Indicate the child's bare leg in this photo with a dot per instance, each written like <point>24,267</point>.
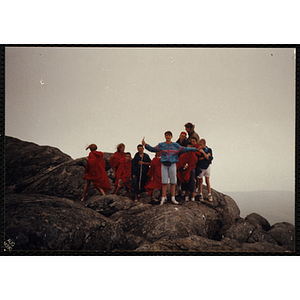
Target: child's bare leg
<point>164,190</point>
<point>85,189</point>
<point>100,190</point>
<point>118,189</point>
<point>173,186</point>
<point>163,193</point>
<point>187,195</point>
<point>201,185</point>
<point>114,191</point>
<point>208,185</point>
<point>198,184</point>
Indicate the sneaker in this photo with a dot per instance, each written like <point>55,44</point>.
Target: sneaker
<point>162,201</point>
<point>193,199</point>
<point>175,202</point>
<point>186,199</point>
<point>210,198</point>
<point>201,198</point>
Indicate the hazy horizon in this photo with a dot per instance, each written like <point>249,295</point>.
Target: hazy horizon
<point>275,206</point>
<point>242,101</point>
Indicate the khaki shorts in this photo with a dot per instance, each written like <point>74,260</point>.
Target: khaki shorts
<point>204,172</point>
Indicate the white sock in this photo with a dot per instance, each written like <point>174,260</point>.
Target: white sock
<point>163,198</point>
<point>173,198</point>
<point>186,198</point>
<point>193,199</point>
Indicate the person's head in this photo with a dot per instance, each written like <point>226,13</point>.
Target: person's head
<point>127,156</point>
<point>121,147</point>
<point>202,143</point>
<point>92,147</point>
<point>189,127</point>
<point>140,148</point>
<point>182,135</point>
<point>168,136</point>
<point>190,144</point>
<point>193,141</point>
<point>157,154</point>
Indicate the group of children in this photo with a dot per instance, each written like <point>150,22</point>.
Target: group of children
<point>184,163</point>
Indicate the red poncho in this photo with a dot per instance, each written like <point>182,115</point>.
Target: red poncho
<point>115,159</point>
<point>124,173</point>
<point>95,171</point>
<point>191,159</point>
<point>155,172</point>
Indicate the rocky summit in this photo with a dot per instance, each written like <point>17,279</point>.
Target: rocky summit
<point>43,211</point>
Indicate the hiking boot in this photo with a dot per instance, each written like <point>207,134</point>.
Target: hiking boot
<point>175,202</point>
<point>210,198</point>
<point>201,198</point>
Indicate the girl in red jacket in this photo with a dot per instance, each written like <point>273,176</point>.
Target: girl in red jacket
<point>95,172</point>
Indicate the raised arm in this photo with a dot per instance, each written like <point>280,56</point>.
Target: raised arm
<point>150,148</point>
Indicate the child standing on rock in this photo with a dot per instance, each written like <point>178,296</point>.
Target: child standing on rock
<point>124,175</point>
<point>140,168</point>
<point>95,172</point>
<point>186,173</point>
<point>204,164</point>
<point>169,157</point>
<point>154,174</point>
<point>117,158</point>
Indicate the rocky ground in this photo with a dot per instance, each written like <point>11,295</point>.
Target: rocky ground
<point>43,211</point>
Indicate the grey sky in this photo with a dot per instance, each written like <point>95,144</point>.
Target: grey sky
<point>241,100</point>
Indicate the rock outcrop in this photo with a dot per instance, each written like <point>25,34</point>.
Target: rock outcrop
<point>41,222</point>
<point>44,170</point>
<point>43,211</point>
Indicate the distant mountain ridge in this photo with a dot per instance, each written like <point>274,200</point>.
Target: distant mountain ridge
<point>275,206</point>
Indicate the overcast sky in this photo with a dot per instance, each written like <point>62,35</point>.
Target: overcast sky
<point>242,101</point>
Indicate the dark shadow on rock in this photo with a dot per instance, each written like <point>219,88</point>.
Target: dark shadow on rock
<point>39,222</point>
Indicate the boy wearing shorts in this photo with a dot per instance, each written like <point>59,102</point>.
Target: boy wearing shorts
<point>204,164</point>
<point>169,157</point>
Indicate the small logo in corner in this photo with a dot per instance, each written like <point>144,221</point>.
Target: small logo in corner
<point>9,244</point>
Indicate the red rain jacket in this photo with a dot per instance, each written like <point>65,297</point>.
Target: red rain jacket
<point>95,171</point>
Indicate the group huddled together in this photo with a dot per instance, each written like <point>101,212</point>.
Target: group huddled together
<point>184,162</point>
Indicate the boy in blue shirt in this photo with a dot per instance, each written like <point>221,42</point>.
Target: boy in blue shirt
<point>169,157</point>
